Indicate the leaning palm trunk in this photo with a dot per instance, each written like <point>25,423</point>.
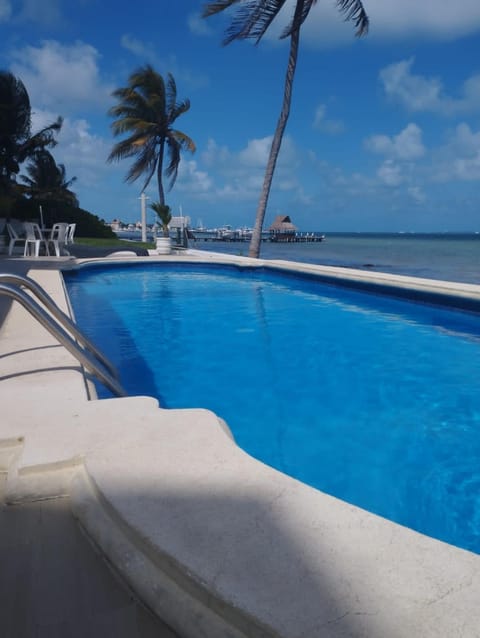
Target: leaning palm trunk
<point>252,20</point>
<point>161,191</point>
<point>254,250</point>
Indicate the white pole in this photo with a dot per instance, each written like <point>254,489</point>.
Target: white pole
<point>143,199</point>
<point>42,225</point>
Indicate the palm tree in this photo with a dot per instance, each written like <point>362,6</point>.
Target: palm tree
<point>46,180</point>
<point>164,214</point>
<point>16,141</point>
<point>146,111</point>
<point>252,20</point>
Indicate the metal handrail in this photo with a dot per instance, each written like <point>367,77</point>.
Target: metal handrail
<point>47,321</point>
<point>64,320</point>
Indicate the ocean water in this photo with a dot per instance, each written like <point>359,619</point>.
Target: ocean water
<point>451,257</point>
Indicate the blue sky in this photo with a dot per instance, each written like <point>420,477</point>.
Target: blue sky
<point>384,133</point>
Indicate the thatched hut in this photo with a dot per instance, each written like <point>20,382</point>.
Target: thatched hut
<point>282,225</point>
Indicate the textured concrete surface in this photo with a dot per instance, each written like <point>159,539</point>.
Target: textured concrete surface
<point>54,583</point>
<point>215,542</point>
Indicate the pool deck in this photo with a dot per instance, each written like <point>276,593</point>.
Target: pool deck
<point>216,543</point>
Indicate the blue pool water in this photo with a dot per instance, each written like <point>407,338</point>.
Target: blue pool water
<point>371,399</point>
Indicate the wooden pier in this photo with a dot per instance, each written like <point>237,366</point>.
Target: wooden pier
<point>236,236</point>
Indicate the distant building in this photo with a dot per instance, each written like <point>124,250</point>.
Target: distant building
<point>282,225</point>
<point>179,222</point>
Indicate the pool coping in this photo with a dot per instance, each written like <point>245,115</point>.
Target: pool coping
<point>215,542</point>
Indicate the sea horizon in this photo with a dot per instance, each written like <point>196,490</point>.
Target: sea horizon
<point>440,255</point>
<point>450,256</point>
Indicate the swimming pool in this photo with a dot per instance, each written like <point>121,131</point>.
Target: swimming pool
<point>369,398</point>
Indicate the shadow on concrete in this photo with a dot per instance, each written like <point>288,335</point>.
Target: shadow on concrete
<point>242,546</point>
<point>53,583</point>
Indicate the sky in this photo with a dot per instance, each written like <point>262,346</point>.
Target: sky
<point>383,134</point>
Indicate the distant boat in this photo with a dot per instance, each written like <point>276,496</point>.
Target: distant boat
<point>225,233</point>
<point>244,233</point>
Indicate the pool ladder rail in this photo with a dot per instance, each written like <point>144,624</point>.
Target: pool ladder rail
<point>60,325</point>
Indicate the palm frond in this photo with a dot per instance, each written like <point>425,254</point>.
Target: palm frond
<point>171,90</point>
<point>261,18</point>
<point>145,163</point>
<point>179,109</point>
<point>215,7</point>
<point>145,112</point>
<point>299,16</point>
<point>126,148</point>
<point>253,17</point>
<point>41,140</point>
<point>46,179</point>
<point>354,10</point>
<point>251,20</point>
<point>171,170</point>
<point>186,143</point>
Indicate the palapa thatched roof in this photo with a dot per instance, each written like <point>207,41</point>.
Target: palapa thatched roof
<point>282,224</point>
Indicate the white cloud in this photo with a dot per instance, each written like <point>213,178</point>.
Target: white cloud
<point>417,194</point>
<point>324,124</point>
<point>198,25</point>
<point>430,19</point>
<point>407,145</point>
<point>256,152</point>
<point>138,48</point>
<point>464,140</point>
<point>392,20</point>
<point>239,175</point>
<point>83,153</point>
<point>420,93</point>
<point>468,168</point>
<point>5,10</point>
<point>463,154</point>
<point>191,179</point>
<point>390,173</point>
<point>61,76</point>
<point>215,154</point>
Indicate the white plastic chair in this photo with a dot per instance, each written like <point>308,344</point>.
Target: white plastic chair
<point>58,237</point>
<point>14,238</point>
<point>34,239</point>
<point>71,233</point>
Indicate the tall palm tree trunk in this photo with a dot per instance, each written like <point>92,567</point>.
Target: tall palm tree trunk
<point>161,191</point>
<point>254,250</point>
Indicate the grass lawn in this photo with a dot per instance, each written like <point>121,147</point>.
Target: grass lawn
<point>114,243</point>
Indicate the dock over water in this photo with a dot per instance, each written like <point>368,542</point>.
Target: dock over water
<point>240,236</point>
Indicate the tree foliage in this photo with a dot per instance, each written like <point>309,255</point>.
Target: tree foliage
<point>164,214</point>
<point>46,180</point>
<point>17,143</point>
<point>146,110</point>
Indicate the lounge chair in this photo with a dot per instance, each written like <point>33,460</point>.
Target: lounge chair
<point>34,238</point>
<point>71,233</point>
<point>58,237</point>
<point>14,238</point>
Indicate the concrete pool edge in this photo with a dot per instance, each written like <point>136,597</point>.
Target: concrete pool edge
<point>463,296</point>
<point>317,566</point>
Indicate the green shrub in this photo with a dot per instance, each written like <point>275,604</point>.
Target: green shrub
<point>88,225</point>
